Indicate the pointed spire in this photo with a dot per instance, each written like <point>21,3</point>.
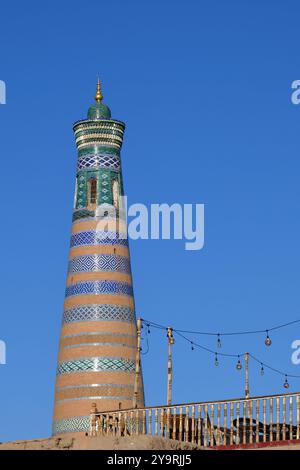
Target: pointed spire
<point>98,96</point>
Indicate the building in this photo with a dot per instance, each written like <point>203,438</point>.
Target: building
<point>97,352</point>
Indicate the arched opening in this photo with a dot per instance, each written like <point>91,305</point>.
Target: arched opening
<point>92,192</point>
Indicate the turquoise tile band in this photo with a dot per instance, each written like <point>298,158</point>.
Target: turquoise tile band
<point>96,364</point>
<point>74,424</point>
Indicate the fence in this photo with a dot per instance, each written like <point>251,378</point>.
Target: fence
<point>208,424</point>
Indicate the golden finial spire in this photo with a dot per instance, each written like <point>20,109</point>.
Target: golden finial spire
<point>98,96</point>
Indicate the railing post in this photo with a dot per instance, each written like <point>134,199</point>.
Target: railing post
<point>150,422</point>
<point>238,422</point>
<point>137,363</point>
<point>218,423</point>
<point>231,422</point>
<point>257,406</point>
<point>193,424</point>
<point>180,423</point>
<point>277,419</point>
<point>156,422</point>
<point>168,422</point>
<point>251,421</point>
<point>162,422</point>
<point>244,422</point>
<point>114,424</point>
<point>212,423</point>
<point>225,423</point>
<point>101,425</point>
<point>174,431</point>
<point>120,424</point>
<point>271,419</point>
<point>199,426</point>
<point>205,425</point>
<point>264,420</point>
<point>186,424</point>
<point>93,431</point>
<point>284,418</point>
<point>291,417</point>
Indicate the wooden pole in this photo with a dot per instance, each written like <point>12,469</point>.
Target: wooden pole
<point>137,363</point>
<point>170,372</point>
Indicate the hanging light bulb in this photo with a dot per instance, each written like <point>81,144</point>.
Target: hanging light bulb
<point>219,344</point>
<point>262,370</point>
<point>286,384</point>
<point>192,346</point>
<point>216,360</point>
<point>239,365</point>
<point>268,340</point>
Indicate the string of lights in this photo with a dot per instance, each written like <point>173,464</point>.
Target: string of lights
<point>268,340</point>
<point>237,333</point>
<point>217,354</point>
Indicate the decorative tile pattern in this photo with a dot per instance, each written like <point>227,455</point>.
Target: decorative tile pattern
<point>83,423</point>
<point>96,364</point>
<point>99,287</point>
<point>82,214</point>
<point>109,124</point>
<point>95,136</point>
<point>97,263</point>
<point>105,183</point>
<point>99,237</point>
<point>98,161</point>
<point>100,140</point>
<point>74,424</point>
<point>95,129</point>
<point>104,312</point>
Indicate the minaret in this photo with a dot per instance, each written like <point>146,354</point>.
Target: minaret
<point>97,352</point>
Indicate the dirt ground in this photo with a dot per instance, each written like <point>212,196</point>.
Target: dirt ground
<point>99,443</point>
<point>121,443</point>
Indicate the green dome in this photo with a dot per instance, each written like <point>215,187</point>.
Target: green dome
<point>99,111</point>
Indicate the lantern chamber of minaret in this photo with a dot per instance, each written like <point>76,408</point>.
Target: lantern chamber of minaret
<point>98,343</point>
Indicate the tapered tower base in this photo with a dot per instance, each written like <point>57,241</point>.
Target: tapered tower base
<point>97,352</point>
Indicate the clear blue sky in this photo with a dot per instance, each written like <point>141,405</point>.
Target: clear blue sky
<point>204,89</point>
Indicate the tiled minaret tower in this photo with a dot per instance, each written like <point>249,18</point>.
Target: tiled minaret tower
<point>96,360</point>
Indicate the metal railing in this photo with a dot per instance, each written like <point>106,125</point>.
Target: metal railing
<point>208,424</point>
